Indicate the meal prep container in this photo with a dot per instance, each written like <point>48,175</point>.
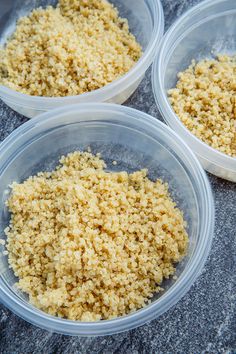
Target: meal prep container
<point>146,22</point>
<point>135,140</point>
<point>202,32</point>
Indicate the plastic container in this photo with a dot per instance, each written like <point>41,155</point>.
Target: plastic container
<point>146,22</point>
<point>135,140</point>
<point>205,30</point>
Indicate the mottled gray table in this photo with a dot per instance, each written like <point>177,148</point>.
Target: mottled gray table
<point>204,321</point>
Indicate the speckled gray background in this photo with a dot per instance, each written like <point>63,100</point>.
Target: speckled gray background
<point>204,321</point>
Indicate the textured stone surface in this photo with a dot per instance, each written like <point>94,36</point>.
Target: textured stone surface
<point>204,321</point>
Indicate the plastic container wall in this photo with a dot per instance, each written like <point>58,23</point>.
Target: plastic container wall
<point>146,22</point>
<point>203,32</point>
<point>135,140</point>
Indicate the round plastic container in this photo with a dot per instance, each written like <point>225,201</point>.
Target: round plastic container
<point>204,31</point>
<point>146,22</point>
<point>135,140</point>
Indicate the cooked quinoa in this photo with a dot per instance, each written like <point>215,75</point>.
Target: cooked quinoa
<point>87,244</point>
<point>205,101</point>
<point>77,47</point>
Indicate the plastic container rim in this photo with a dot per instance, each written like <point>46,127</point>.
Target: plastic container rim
<point>107,91</point>
<point>210,154</point>
<point>181,286</point>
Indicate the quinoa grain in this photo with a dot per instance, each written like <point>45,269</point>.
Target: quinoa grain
<point>205,101</point>
<point>87,244</point>
<point>77,47</point>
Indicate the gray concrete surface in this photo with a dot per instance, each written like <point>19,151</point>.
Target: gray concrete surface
<point>204,321</point>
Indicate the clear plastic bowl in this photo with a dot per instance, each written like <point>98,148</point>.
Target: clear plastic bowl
<point>135,140</point>
<point>205,30</point>
<point>146,22</point>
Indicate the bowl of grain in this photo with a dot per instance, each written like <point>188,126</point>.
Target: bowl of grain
<point>57,53</point>
<point>107,219</point>
<point>194,83</point>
